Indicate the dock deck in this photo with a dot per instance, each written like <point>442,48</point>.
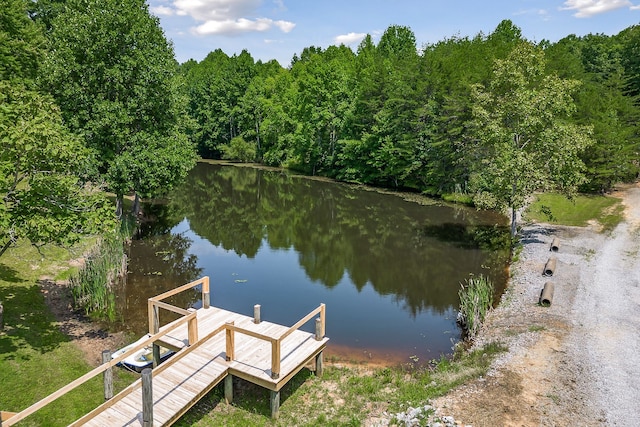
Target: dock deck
<point>212,345</point>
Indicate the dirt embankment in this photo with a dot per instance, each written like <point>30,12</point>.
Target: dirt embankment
<point>89,336</point>
<point>577,362</point>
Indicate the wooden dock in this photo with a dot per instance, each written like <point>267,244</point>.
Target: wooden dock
<point>212,345</point>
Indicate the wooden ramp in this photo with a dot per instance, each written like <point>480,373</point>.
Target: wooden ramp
<point>212,345</point>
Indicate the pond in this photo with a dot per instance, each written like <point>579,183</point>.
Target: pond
<point>387,266</point>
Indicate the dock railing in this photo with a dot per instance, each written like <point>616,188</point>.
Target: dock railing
<point>156,303</point>
<point>276,342</point>
<point>9,418</point>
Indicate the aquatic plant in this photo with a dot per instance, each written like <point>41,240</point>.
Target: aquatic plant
<point>104,265</point>
<point>476,298</point>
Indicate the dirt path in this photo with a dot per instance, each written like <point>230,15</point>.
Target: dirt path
<point>576,363</point>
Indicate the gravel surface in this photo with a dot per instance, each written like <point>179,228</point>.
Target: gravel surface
<point>577,362</point>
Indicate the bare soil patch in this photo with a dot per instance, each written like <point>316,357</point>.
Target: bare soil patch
<point>86,334</point>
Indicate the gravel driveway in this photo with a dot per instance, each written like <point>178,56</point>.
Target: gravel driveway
<point>577,362</point>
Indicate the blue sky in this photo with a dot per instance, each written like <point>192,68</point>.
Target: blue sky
<point>278,29</point>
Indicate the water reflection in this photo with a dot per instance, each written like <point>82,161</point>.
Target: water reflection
<point>389,270</point>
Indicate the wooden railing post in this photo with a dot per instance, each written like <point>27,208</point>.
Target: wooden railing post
<point>156,354</point>
<point>193,328</point>
<point>318,329</point>
<point>230,343</point>
<point>107,376</point>
<point>323,319</point>
<point>206,296</point>
<point>275,359</point>
<point>154,317</point>
<point>256,313</point>
<point>228,389</point>
<point>147,398</point>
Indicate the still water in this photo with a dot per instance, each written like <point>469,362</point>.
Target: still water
<point>388,269</point>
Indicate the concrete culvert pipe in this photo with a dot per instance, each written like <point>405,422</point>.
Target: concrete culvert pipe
<point>550,267</point>
<point>546,296</point>
<point>555,245</point>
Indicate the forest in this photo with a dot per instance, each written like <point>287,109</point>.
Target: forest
<point>398,115</point>
<point>93,100</point>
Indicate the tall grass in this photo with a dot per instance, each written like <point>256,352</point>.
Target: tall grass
<point>476,299</point>
<point>92,285</point>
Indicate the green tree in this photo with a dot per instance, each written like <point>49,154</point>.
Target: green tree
<point>603,102</point>
<point>525,140</point>
<point>114,75</point>
<point>42,195</point>
<point>323,84</point>
<point>239,149</point>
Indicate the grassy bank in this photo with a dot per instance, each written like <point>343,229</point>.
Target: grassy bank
<point>579,211</point>
<point>346,395</point>
<point>36,358</point>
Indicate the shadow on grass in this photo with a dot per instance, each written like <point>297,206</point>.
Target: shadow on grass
<point>9,274</point>
<point>28,323</point>
<point>247,397</point>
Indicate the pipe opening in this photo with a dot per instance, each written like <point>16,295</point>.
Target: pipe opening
<point>546,296</point>
<point>550,267</point>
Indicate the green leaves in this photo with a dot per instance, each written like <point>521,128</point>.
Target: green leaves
<point>114,75</point>
<point>43,197</point>
<point>526,141</point>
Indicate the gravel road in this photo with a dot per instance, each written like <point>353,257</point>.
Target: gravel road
<point>577,362</point>
<point>606,320</point>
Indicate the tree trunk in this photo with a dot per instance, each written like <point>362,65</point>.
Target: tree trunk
<point>514,229</point>
<point>5,246</point>
<point>119,206</point>
<point>135,209</point>
<point>259,149</point>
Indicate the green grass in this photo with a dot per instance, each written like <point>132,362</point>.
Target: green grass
<point>462,198</point>
<point>343,396</point>
<point>36,358</point>
<point>579,211</point>
<point>476,298</point>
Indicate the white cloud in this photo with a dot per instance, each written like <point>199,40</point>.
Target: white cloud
<point>349,39</point>
<point>285,26</point>
<point>162,11</point>
<point>226,17</point>
<point>634,7</point>
<point>217,10</point>
<point>231,27</point>
<point>540,12</point>
<point>588,8</point>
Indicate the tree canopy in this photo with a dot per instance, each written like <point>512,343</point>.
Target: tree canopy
<point>114,75</point>
<point>494,116</point>
<point>396,114</point>
<point>525,140</point>
<point>45,196</point>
